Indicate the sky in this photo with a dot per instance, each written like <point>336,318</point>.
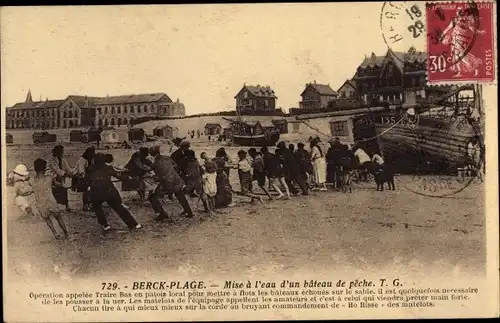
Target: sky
<point>199,54</point>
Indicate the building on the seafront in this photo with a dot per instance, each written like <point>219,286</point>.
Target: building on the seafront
<point>317,96</point>
<point>347,90</point>
<point>125,109</point>
<point>84,111</point>
<point>33,114</point>
<point>344,124</point>
<point>396,78</point>
<point>255,100</point>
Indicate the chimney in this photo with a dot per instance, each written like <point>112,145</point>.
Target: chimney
<point>177,100</point>
<point>314,81</point>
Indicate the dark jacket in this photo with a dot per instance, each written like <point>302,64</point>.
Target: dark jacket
<point>180,160</point>
<point>288,161</point>
<point>101,186</point>
<point>137,167</point>
<point>272,165</point>
<point>167,175</point>
<point>303,160</point>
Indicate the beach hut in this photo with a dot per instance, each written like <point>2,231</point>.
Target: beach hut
<point>94,134</point>
<point>43,137</point>
<point>136,134</point>
<point>166,131</point>
<point>267,125</point>
<point>294,126</point>
<point>109,136</point>
<point>281,125</point>
<point>9,139</point>
<point>77,136</point>
<point>213,129</point>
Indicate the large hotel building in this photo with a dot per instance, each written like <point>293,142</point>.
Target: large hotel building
<point>83,111</point>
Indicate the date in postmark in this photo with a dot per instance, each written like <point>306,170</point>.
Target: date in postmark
<point>460,42</point>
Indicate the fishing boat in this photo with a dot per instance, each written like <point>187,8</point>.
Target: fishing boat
<point>251,133</point>
<point>435,136</point>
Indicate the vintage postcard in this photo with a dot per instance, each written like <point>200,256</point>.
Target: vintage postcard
<point>249,161</point>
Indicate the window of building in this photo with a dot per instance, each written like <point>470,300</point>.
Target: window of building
<point>152,108</point>
<point>132,109</point>
<point>131,121</point>
<point>339,128</point>
<point>125,121</point>
<point>266,103</point>
<point>138,109</point>
<point>71,123</point>
<point>119,122</point>
<point>71,105</point>
<point>112,121</point>
<point>105,122</point>
<point>64,123</point>
<point>245,94</point>
<point>112,110</point>
<point>105,110</point>
<point>119,108</point>
<point>250,102</point>
<point>125,109</point>
<point>71,114</point>
<point>99,110</point>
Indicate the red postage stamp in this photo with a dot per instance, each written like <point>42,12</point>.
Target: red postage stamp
<point>460,41</point>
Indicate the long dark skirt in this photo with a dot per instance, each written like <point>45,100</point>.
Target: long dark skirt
<point>60,195</point>
<point>224,195</point>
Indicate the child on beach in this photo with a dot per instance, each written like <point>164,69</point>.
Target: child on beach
<point>245,175</point>
<point>210,183</point>
<point>259,173</point>
<point>45,204</point>
<point>23,190</point>
<point>274,172</point>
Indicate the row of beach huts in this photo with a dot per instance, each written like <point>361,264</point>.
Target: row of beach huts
<point>105,135</point>
<point>109,135</point>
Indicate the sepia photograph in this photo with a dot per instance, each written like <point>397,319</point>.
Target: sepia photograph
<point>249,161</point>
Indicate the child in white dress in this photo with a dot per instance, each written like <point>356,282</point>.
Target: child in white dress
<point>210,183</point>
<point>23,190</point>
<point>45,203</point>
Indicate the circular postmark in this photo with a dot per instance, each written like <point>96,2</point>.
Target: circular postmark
<point>403,26</point>
<point>451,151</point>
<point>448,29</point>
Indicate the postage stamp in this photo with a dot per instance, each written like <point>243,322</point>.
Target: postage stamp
<point>460,41</point>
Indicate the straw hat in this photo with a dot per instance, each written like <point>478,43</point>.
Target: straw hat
<point>22,170</point>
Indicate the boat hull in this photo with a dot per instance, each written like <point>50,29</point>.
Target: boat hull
<point>433,146</point>
<point>258,140</point>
